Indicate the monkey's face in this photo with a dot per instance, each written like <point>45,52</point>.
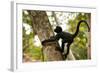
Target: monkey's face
<point>58,29</point>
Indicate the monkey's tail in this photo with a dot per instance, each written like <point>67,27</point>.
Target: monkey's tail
<point>77,30</point>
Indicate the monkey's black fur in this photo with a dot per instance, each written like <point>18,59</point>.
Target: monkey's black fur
<point>65,36</point>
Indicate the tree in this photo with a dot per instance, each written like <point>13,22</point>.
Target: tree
<point>42,28</point>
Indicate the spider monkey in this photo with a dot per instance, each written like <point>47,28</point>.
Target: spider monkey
<point>65,36</point>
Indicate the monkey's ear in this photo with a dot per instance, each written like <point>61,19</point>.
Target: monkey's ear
<point>58,29</point>
<point>55,30</point>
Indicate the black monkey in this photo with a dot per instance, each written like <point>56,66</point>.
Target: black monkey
<point>65,36</point>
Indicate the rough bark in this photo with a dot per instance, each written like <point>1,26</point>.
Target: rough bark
<point>42,28</point>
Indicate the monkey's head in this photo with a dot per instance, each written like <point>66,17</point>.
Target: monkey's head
<point>58,29</point>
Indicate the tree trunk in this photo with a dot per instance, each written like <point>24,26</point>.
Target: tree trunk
<point>55,17</point>
<point>70,56</point>
<point>42,28</point>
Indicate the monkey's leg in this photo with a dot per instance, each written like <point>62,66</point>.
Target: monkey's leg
<point>68,48</point>
<point>62,46</point>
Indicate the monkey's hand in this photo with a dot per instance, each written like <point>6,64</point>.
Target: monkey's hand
<point>43,42</point>
<point>52,37</point>
<point>48,40</point>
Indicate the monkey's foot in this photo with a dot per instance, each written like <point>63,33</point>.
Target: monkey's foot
<point>65,56</point>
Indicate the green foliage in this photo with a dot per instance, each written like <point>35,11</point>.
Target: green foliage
<point>26,18</point>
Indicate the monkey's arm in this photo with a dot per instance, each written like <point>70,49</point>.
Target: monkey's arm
<point>48,40</point>
<point>51,39</point>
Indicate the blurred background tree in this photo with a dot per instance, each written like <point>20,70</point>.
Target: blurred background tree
<point>31,44</point>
